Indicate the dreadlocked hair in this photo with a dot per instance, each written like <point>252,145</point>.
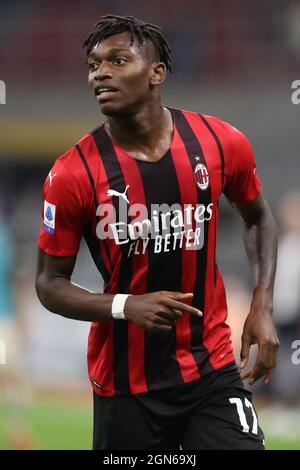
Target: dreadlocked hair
<point>109,25</point>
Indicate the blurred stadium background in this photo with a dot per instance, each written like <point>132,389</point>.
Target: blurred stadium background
<point>234,59</point>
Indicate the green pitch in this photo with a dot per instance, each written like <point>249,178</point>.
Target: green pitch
<point>54,425</point>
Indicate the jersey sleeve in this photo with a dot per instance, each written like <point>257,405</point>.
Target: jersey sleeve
<point>62,212</point>
<point>243,183</point>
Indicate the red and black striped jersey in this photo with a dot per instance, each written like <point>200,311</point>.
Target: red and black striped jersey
<point>162,237</point>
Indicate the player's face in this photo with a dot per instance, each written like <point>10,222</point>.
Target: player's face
<point>122,74</point>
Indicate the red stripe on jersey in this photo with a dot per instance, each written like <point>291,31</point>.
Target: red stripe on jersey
<point>100,355</point>
<point>136,336</point>
<point>188,192</point>
<point>216,334</point>
<point>101,336</point>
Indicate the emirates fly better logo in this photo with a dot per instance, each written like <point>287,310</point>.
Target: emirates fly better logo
<point>157,227</point>
<point>169,227</point>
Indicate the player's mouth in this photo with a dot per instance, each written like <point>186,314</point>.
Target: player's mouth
<point>104,92</point>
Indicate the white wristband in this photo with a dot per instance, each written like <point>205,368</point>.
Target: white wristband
<point>117,306</point>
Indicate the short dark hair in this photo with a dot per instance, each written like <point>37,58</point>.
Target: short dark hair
<point>109,25</point>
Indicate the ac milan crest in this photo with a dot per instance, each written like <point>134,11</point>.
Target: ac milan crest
<point>202,176</point>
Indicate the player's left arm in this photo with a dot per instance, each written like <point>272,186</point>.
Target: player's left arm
<point>260,239</point>
<point>242,189</point>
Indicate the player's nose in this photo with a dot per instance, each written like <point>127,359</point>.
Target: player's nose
<point>103,71</point>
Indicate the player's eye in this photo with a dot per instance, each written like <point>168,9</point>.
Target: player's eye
<point>119,61</point>
<point>92,66</point>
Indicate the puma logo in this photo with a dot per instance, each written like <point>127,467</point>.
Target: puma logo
<point>112,192</point>
<point>51,177</point>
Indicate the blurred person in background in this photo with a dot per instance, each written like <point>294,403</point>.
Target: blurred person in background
<point>286,381</point>
<point>292,29</point>
<point>11,374</point>
<point>160,356</point>
<point>6,277</point>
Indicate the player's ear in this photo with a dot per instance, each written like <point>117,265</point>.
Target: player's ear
<point>158,73</point>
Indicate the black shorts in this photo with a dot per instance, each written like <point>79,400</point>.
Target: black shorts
<point>215,412</point>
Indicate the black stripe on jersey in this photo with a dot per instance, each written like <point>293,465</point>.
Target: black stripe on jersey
<point>221,153</point>
<point>164,271</point>
<point>90,176</point>
<point>193,149</point>
<point>92,243</point>
<point>215,247</point>
<point>218,142</point>
<point>116,181</point>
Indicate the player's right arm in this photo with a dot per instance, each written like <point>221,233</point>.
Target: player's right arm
<point>156,311</point>
<point>68,206</point>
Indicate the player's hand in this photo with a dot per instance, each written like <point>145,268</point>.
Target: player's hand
<point>158,311</point>
<point>259,329</point>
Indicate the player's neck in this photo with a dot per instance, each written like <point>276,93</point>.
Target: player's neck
<point>144,128</point>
